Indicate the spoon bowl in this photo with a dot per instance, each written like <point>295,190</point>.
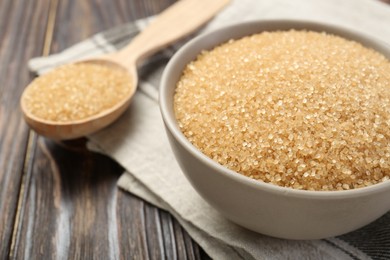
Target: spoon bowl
<point>78,128</point>
<point>155,37</point>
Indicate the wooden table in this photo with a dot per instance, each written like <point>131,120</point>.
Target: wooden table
<point>61,200</point>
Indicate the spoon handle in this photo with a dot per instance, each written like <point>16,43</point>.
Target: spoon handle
<point>174,23</point>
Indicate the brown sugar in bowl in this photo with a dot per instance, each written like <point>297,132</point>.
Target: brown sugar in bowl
<point>300,109</point>
<point>273,202</point>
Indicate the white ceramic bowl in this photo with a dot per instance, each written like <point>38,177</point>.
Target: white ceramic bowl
<point>266,208</point>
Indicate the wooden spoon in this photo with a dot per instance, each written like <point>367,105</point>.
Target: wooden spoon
<point>174,23</point>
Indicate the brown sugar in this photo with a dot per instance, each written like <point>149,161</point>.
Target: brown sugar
<point>298,109</point>
<point>76,91</point>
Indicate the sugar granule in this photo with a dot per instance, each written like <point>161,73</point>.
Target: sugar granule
<point>76,91</point>
<point>298,109</point>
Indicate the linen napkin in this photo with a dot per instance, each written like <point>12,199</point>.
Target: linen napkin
<point>138,141</point>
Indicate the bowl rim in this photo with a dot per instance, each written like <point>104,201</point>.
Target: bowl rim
<point>171,125</point>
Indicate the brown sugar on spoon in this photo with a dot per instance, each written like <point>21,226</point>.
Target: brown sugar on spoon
<point>78,109</point>
<point>76,91</point>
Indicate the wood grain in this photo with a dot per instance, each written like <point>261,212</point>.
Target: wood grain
<point>22,30</point>
<point>61,200</point>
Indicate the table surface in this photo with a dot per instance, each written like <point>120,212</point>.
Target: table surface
<point>59,200</point>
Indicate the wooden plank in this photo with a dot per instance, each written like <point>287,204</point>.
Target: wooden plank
<point>70,203</point>
<point>22,30</point>
<point>131,237</point>
<point>75,210</point>
<point>71,206</point>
